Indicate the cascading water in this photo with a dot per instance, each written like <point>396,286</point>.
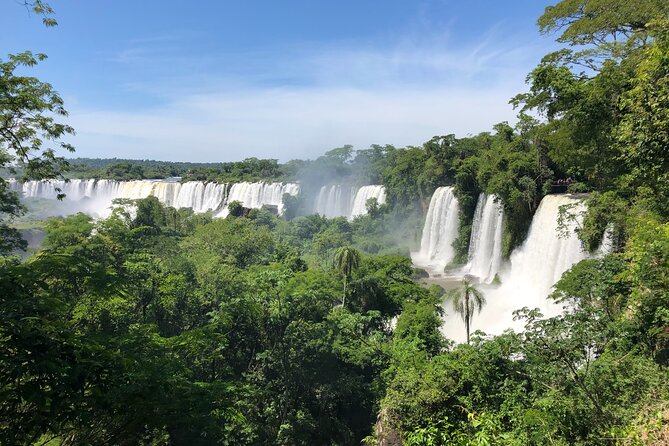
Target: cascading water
<point>256,195</point>
<point>534,268</point>
<point>334,200</point>
<point>439,232</point>
<point>95,196</point>
<point>485,246</point>
<point>200,197</point>
<point>363,194</point>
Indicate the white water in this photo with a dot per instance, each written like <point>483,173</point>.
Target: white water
<point>485,246</point>
<point>533,269</point>
<point>95,196</point>
<point>256,195</point>
<point>334,200</point>
<point>338,200</point>
<point>439,232</point>
<point>363,194</point>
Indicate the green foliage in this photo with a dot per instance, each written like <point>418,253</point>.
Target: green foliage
<point>29,110</point>
<point>606,215</point>
<point>250,169</point>
<point>235,209</point>
<point>509,170</point>
<point>642,136</point>
<point>419,324</point>
<point>605,23</point>
<point>124,171</point>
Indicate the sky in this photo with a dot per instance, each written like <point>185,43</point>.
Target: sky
<point>225,80</point>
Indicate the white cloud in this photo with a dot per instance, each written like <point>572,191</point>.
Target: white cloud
<point>303,101</point>
<point>286,123</point>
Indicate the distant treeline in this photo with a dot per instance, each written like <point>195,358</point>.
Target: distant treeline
<point>250,169</point>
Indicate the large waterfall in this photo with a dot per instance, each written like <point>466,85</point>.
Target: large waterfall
<point>439,232</point>
<point>546,253</point>
<point>533,269</point>
<point>338,200</point>
<point>95,196</point>
<point>485,246</point>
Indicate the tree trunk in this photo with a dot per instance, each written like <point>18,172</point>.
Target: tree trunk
<point>343,301</point>
<point>467,314</point>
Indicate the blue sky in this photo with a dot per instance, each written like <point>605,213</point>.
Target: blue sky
<point>225,80</point>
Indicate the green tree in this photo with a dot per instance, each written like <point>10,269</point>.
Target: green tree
<point>235,208</point>
<point>150,213</point>
<point>346,262</point>
<point>29,135</point>
<point>643,133</point>
<point>466,300</point>
<point>608,27</point>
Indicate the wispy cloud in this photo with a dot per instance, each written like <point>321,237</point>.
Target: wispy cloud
<point>300,101</point>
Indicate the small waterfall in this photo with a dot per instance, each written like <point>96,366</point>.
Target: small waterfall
<point>334,200</point>
<point>256,195</point>
<point>485,245</point>
<point>607,246</point>
<point>363,194</point>
<point>439,232</point>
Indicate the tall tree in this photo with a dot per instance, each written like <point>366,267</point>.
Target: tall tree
<point>643,133</point>
<point>466,300</point>
<point>346,261</point>
<point>28,112</point>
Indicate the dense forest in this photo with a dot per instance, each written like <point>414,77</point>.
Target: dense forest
<point>161,326</point>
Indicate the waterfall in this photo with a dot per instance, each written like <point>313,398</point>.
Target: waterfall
<point>74,189</point>
<point>95,196</point>
<point>359,206</point>
<point>256,195</point>
<point>540,261</point>
<point>337,200</point>
<point>200,197</point>
<point>485,245</point>
<point>533,269</point>
<point>334,200</point>
<point>439,232</point>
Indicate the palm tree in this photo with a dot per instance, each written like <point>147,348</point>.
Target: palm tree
<point>346,260</point>
<point>466,300</point>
